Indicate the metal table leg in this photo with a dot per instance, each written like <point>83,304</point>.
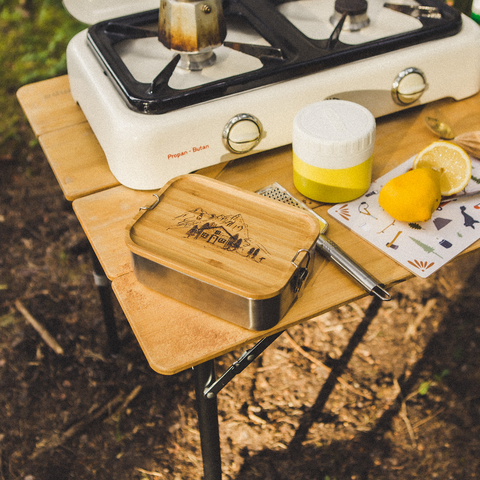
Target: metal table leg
<point>206,390</point>
<point>208,421</point>
<point>104,290</point>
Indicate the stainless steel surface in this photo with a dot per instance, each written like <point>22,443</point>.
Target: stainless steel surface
<point>416,11</point>
<point>219,249</point>
<point>469,141</point>
<point>254,314</point>
<point>352,14</point>
<point>440,128</point>
<point>192,28</point>
<point>327,247</point>
<point>242,133</point>
<point>409,86</point>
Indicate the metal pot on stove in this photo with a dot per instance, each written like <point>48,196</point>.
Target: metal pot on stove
<point>193,29</point>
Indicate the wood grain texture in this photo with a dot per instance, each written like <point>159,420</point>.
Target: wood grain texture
<point>49,105</point>
<point>225,236</point>
<point>104,216</point>
<point>173,336</point>
<point>77,160</point>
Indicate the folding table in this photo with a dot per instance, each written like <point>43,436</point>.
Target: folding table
<point>173,336</point>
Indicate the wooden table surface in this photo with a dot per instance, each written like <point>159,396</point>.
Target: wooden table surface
<point>172,335</point>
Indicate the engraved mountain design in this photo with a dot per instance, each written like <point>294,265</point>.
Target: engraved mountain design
<point>227,232</point>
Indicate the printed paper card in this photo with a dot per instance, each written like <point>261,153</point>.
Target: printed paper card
<point>421,247</point>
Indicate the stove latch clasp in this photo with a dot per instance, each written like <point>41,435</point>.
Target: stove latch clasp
<point>242,133</point>
<point>409,86</point>
<point>416,11</point>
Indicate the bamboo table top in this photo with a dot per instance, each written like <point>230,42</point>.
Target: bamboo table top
<point>172,335</point>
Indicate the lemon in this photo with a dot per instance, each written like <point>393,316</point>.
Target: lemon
<point>413,196</point>
<point>451,161</point>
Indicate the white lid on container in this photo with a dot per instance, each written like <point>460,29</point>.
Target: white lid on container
<point>333,134</point>
<point>94,11</point>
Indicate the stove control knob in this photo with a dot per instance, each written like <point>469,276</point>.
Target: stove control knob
<point>242,133</point>
<point>409,86</point>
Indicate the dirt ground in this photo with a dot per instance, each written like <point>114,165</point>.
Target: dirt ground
<point>369,391</point>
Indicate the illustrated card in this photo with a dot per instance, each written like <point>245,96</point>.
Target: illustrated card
<point>421,247</point>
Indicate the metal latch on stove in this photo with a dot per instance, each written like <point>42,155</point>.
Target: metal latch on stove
<point>242,133</point>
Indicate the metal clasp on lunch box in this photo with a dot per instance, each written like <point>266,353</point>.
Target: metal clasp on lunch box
<point>302,272</point>
<point>151,207</point>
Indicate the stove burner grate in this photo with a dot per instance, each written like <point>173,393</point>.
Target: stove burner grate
<point>291,54</point>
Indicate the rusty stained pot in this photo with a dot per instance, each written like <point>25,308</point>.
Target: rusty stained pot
<point>188,26</point>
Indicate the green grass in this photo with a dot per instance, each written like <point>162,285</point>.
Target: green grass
<point>34,34</point>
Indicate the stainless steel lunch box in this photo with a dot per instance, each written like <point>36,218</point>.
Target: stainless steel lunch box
<point>226,251</point>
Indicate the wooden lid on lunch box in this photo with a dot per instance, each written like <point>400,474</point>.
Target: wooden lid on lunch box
<point>223,235</point>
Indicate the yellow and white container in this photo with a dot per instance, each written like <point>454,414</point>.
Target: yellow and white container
<point>333,144</point>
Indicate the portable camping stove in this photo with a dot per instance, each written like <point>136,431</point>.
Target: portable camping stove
<point>166,96</point>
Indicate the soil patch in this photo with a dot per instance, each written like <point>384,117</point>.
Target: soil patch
<point>365,392</point>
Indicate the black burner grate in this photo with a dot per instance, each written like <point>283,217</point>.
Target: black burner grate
<point>291,55</point>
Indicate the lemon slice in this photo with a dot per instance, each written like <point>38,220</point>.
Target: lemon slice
<point>451,161</point>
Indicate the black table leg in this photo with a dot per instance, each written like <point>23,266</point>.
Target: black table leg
<point>208,421</point>
<point>105,291</point>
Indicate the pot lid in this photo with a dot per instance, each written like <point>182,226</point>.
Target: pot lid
<point>94,11</point>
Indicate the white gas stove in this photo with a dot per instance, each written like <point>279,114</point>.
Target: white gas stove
<point>157,114</point>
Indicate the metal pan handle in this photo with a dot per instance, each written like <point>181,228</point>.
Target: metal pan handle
<point>332,251</point>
